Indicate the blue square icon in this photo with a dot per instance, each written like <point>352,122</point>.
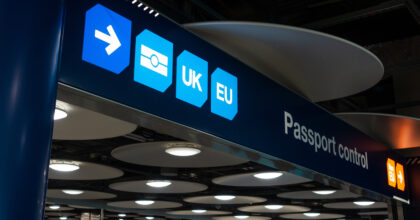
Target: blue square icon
<point>107,39</point>
<point>191,79</point>
<point>224,94</point>
<point>153,61</point>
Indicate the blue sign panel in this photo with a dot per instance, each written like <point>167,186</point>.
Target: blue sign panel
<point>191,79</point>
<point>153,61</point>
<point>107,39</point>
<point>224,94</point>
<point>245,107</point>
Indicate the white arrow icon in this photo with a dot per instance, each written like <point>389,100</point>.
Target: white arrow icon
<point>400,177</point>
<point>111,39</point>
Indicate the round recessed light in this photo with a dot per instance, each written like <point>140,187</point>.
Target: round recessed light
<point>72,191</point>
<point>150,217</point>
<point>241,216</point>
<point>364,203</point>
<point>312,214</point>
<point>268,175</point>
<point>198,211</point>
<point>273,207</point>
<point>145,202</point>
<point>158,183</point>
<point>122,215</point>
<point>324,192</point>
<point>224,197</point>
<point>54,207</point>
<point>183,151</point>
<point>63,218</point>
<point>59,114</point>
<point>64,166</point>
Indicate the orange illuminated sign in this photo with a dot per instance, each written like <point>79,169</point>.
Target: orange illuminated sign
<point>395,174</point>
<point>400,177</point>
<point>392,178</point>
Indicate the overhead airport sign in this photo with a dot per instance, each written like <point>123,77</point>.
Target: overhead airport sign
<point>125,53</point>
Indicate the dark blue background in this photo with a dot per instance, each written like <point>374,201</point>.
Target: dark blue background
<point>259,122</point>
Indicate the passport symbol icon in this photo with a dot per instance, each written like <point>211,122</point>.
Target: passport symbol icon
<point>154,60</point>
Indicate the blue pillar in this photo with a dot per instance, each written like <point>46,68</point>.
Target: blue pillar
<point>29,46</point>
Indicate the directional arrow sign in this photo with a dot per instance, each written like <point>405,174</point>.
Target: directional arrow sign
<point>400,177</point>
<point>111,39</point>
<point>107,39</point>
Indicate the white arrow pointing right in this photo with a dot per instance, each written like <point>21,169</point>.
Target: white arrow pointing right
<point>111,39</point>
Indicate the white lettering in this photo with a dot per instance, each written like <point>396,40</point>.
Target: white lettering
<point>219,91</point>
<point>193,78</point>
<point>320,141</point>
<point>288,122</point>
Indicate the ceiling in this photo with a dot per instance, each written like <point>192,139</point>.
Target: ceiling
<point>114,171</point>
<point>388,28</point>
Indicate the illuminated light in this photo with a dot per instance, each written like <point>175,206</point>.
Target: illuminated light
<point>399,171</point>
<point>324,192</point>
<point>241,216</point>
<point>122,215</point>
<point>150,217</point>
<point>133,2</point>
<point>157,14</point>
<point>390,168</point>
<point>268,175</point>
<point>364,203</point>
<point>151,11</point>
<point>145,202</point>
<point>63,166</point>
<point>145,8</point>
<point>158,183</point>
<point>59,114</point>
<point>63,218</point>
<point>199,211</point>
<point>273,207</point>
<point>312,214</point>
<point>224,197</point>
<point>72,191</point>
<point>141,4</point>
<point>182,151</point>
<point>54,207</point>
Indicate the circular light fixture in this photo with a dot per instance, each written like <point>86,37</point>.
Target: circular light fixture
<point>158,183</point>
<point>183,151</point>
<point>59,114</point>
<point>312,214</point>
<point>273,207</point>
<point>199,211</point>
<point>268,175</point>
<point>364,203</point>
<point>64,166</point>
<point>122,215</point>
<point>241,216</point>
<point>72,191</point>
<point>150,217</point>
<point>324,192</point>
<point>54,207</point>
<point>224,197</point>
<point>63,218</point>
<point>145,202</point>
